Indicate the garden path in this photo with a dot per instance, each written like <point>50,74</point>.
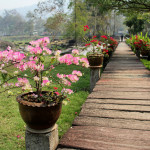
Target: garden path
<point>116,115</point>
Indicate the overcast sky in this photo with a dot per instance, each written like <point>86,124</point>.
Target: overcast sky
<point>12,4</point>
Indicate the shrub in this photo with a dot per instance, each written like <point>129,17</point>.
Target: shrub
<point>5,44</point>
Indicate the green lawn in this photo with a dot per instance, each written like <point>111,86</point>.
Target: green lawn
<point>12,128</point>
<point>146,63</point>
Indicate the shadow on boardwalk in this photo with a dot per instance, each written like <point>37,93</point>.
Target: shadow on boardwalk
<point>116,115</point>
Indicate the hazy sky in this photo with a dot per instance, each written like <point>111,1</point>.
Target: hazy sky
<point>11,4</point>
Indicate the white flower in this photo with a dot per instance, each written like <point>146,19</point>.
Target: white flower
<point>45,78</point>
<point>36,78</point>
<point>15,73</point>
<point>57,53</point>
<point>4,71</point>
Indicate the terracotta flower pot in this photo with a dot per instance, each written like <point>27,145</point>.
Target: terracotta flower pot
<point>95,59</point>
<point>38,116</point>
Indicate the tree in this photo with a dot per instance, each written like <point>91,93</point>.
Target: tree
<point>12,23</point>
<point>135,25</point>
<point>55,24</point>
<point>133,5</point>
<point>78,18</point>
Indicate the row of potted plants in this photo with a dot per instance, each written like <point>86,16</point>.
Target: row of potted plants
<point>139,44</point>
<point>101,48</point>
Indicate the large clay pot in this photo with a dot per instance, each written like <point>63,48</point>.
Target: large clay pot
<point>95,59</point>
<point>144,52</point>
<point>38,116</point>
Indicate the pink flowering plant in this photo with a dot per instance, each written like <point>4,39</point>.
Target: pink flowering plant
<point>40,75</point>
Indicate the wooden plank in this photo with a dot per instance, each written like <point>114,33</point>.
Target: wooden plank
<point>102,138</point>
<point>100,86</point>
<point>120,95</point>
<point>115,114</point>
<point>109,122</point>
<point>126,107</point>
<point>144,71</point>
<point>118,101</point>
<point>123,89</point>
<point>124,81</point>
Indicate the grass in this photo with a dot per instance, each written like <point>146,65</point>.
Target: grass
<point>146,63</point>
<point>12,128</point>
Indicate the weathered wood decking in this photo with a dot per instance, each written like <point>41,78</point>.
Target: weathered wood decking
<point>116,115</point>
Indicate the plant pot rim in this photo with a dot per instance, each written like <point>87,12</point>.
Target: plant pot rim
<point>20,100</point>
<point>94,54</point>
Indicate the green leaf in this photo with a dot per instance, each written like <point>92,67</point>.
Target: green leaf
<point>4,76</point>
<point>52,60</point>
<point>42,59</point>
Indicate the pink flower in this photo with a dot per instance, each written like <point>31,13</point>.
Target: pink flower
<point>73,78</point>
<point>66,82</point>
<point>76,60</point>
<point>49,52</point>
<point>61,76</point>
<point>78,73</point>
<point>56,93</point>
<point>22,81</point>
<point>45,83</point>
<point>75,51</point>
<point>84,62</point>
<point>66,91</point>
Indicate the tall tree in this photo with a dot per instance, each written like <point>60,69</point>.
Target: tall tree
<point>55,24</point>
<point>78,18</point>
<point>133,5</point>
<point>135,25</point>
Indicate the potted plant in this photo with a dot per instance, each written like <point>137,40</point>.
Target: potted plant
<point>40,104</point>
<point>140,44</point>
<point>94,56</point>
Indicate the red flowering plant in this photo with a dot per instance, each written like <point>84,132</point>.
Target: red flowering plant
<point>139,43</point>
<point>93,42</point>
<point>108,45</point>
<point>109,41</point>
<point>33,73</point>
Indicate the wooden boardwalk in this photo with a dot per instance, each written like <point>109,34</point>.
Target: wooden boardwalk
<point>116,115</point>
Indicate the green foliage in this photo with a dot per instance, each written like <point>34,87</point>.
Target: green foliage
<point>79,17</point>
<point>12,23</point>
<point>123,5</point>
<point>135,25</point>
<point>146,63</point>
<point>5,44</point>
<point>55,24</point>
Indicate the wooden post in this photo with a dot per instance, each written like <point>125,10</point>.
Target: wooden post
<point>95,72</point>
<point>42,140</point>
